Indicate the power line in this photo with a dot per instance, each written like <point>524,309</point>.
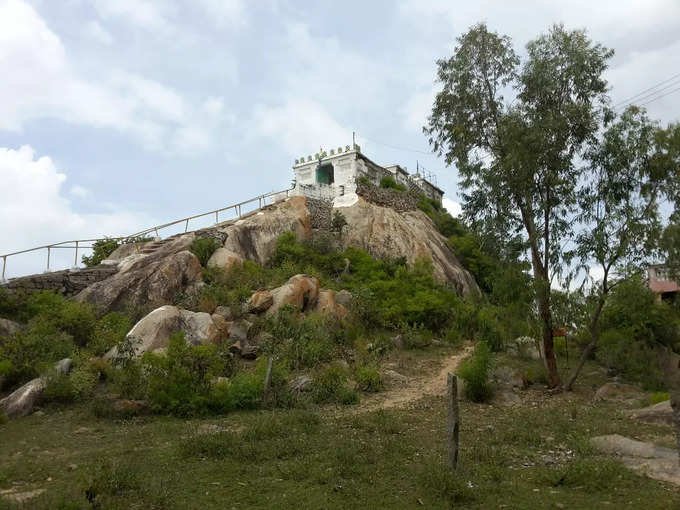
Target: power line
<point>659,97</point>
<point>651,95</point>
<point>397,148</point>
<point>636,98</point>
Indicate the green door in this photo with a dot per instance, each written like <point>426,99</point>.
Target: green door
<point>324,174</point>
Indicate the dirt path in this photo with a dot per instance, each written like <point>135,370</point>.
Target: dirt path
<point>416,388</point>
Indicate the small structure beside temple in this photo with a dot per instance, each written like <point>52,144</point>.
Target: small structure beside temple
<point>660,282</point>
<point>333,175</point>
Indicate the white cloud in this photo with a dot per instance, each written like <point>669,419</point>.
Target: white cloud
<point>454,208</point>
<point>96,32</point>
<point>150,15</point>
<point>299,126</point>
<point>39,81</point>
<point>35,212</point>
<point>79,191</point>
<point>223,12</point>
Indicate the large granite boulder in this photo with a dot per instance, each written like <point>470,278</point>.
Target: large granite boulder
<point>260,301</point>
<point>615,391</point>
<point>648,459</point>
<point>8,327</point>
<point>659,414</point>
<point>224,259</point>
<point>327,304</point>
<point>147,281</point>
<point>300,291</point>
<point>254,238</point>
<point>22,401</point>
<point>153,332</point>
<point>384,232</point>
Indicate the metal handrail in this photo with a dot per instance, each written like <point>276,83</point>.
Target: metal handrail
<point>76,243</point>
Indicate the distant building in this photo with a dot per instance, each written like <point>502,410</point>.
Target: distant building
<point>333,176</point>
<point>660,281</point>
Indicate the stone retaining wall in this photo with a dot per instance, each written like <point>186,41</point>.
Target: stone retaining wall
<point>320,213</point>
<point>68,282</point>
<point>400,201</point>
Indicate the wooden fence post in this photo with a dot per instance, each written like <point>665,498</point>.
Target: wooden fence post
<point>268,376</point>
<point>452,420</point>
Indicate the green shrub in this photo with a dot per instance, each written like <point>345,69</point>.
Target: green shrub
<point>659,396</point>
<point>109,479</point>
<point>84,379</point>
<point>329,385</point>
<point>620,351</point>
<point>388,182</point>
<point>203,248</point>
<point>306,341</point>
<point>179,382</point>
<point>58,388</point>
<point>109,331</point>
<point>475,373</point>
<point>416,337</point>
<point>338,222</point>
<point>632,327</point>
<point>100,250</point>
<point>32,352</point>
<point>368,379</point>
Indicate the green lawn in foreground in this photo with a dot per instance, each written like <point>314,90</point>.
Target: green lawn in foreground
<point>532,456</point>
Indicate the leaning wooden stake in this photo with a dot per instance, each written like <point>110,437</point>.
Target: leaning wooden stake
<point>453,420</point>
<point>268,375</point>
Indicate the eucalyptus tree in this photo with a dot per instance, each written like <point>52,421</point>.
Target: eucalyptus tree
<point>517,155</point>
<point>668,158</point>
<point>619,222</point>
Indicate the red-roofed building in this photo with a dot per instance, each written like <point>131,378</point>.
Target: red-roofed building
<point>660,281</point>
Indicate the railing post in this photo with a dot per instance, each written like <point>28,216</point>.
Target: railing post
<point>156,232</point>
<point>49,250</point>
<point>239,211</point>
<point>4,265</point>
<point>186,227</point>
<point>75,260</point>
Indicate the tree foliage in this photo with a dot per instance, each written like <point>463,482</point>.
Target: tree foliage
<point>518,160</point>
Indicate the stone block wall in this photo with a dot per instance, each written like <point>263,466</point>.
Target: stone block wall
<point>400,201</point>
<point>68,282</point>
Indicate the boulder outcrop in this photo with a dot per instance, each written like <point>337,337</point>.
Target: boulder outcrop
<point>327,304</point>
<point>254,238</point>
<point>147,281</point>
<point>660,414</point>
<point>300,291</point>
<point>260,301</point>
<point>384,232</point>
<point>224,259</point>
<point>22,401</point>
<point>153,331</point>
<point>8,327</point>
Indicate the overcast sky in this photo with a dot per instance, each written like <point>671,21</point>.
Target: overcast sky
<point>119,114</point>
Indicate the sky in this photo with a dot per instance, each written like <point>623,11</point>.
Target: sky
<point>117,115</point>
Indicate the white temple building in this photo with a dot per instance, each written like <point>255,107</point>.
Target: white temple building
<point>333,176</point>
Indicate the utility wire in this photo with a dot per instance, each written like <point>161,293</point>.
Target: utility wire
<point>659,97</point>
<point>397,148</point>
<point>650,95</point>
<point>635,97</point>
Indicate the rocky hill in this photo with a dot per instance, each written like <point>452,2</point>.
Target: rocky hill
<point>154,278</point>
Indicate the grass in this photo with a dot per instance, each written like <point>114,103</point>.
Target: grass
<point>535,455</point>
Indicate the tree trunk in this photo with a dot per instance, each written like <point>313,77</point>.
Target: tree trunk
<point>548,347</point>
<point>584,357</point>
